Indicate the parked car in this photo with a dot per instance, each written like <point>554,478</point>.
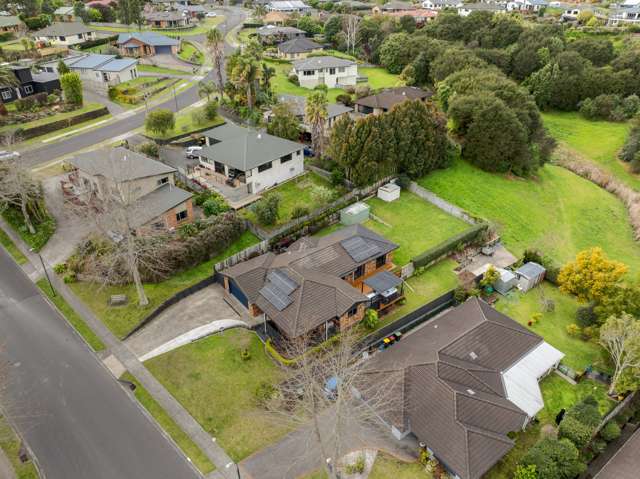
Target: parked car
<point>211,14</point>
<point>193,151</point>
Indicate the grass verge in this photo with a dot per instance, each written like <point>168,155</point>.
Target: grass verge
<point>72,317</point>
<point>184,442</point>
<point>161,70</point>
<point>50,119</point>
<point>10,443</point>
<point>11,248</point>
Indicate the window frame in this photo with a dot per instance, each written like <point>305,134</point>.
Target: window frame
<point>180,217</point>
<point>265,166</point>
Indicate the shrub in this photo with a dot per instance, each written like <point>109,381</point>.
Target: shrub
<point>160,121</point>
<point>41,98</point>
<point>460,295</point>
<point>450,245</point>
<point>525,472</point>
<point>577,432</point>
<point>72,88</point>
<point>345,99</point>
<point>554,459</point>
<point>337,177</point>
<point>52,99</point>
<point>245,354</point>
<point>299,212</point>
<point>574,330</point>
<point>210,110</point>
<point>25,104</point>
<point>321,87</point>
<point>149,148</point>
<point>70,278</point>
<point>610,431</point>
<point>357,467</point>
<point>293,78</point>
<point>371,318</point>
<point>198,117</point>
<point>403,181</point>
<point>586,316</point>
<point>362,91</point>
<point>266,210</point>
<point>321,194</point>
<point>60,268</point>
<point>215,205</point>
<point>264,392</point>
<point>598,446</point>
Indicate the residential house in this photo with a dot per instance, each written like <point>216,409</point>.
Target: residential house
<point>394,6</point>
<point>148,184</point>
<point>65,34</point>
<point>353,5</point>
<point>441,4</point>
<point>466,380</point>
<point>572,12</point>
<point>320,285</point>
<point>99,72</point>
<point>526,5</point>
<point>421,15</point>
<point>331,71</point>
<point>64,14</point>
<point>30,83</point>
<point>167,20</point>
<point>385,100</point>
<point>298,103</point>
<point>271,35</point>
<point>276,18</point>
<point>144,44</point>
<point>249,159</point>
<point>626,15</point>
<point>11,23</point>
<point>288,6</point>
<point>297,48</point>
<point>467,9</point>
<point>193,10</point>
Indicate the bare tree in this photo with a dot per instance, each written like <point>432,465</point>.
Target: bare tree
<point>334,395</point>
<point>350,26</point>
<point>17,186</point>
<point>620,336</point>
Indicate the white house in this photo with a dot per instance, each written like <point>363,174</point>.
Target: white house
<point>288,6</point>
<point>330,71</point>
<point>65,34</point>
<point>468,8</point>
<point>441,4</point>
<point>526,5</point>
<point>243,157</point>
<point>624,15</point>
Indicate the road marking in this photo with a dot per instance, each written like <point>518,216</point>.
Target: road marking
<point>74,131</point>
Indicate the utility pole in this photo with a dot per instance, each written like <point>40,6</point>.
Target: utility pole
<point>46,273</point>
<point>175,98</point>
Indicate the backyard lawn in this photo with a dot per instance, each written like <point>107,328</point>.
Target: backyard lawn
<point>121,320</point>
<point>598,141</point>
<point>211,380</point>
<point>378,77</point>
<point>553,326</point>
<point>558,213</point>
<point>10,444</point>
<point>413,223</point>
<point>306,191</point>
<point>190,53</point>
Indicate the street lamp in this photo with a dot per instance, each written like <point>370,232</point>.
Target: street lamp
<point>44,268</point>
<point>237,468</point>
<point>175,98</point>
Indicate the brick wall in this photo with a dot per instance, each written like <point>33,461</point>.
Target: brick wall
<point>170,216</point>
<point>347,321</point>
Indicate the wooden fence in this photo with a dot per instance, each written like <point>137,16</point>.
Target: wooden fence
<point>245,254</point>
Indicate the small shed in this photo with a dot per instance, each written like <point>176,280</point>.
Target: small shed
<point>355,214</point>
<point>506,282</point>
<point>389,192</point>
<point>529,275</point>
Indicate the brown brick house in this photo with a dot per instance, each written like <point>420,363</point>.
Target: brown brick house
<point>320,285</point>
<point>167,20</point>
<point>157,203</point>
<point>144,44</point>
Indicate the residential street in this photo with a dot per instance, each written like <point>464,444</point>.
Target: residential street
<point>77,419</point>
<point>234,16</point>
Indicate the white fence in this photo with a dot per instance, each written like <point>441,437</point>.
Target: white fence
<point>440,203</point>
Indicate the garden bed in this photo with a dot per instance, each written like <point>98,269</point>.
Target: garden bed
<point>132,92</point>
<point>190,53</point>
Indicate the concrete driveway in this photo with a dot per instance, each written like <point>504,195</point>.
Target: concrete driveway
<point>195,311</point>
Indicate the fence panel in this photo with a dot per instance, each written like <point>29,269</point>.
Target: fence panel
<point>243,255</point>
<point>444,205</point>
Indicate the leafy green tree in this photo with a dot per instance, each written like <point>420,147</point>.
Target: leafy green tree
<point>448,25</point>
<point>215,47</point>
<point>598,51</point>
<point>72,88</point>
<point>309,25</point>
<point>206,89</point>
<point>332,27</point>
<point>394,54</point>
<point>370,319</point>
<point>283,122</point>
<point>610,431</point>
<point>620,336</point>
<point>160,121</point>
<point>62,68</point>
<point>577,432</point>
<point>407,24</point>
<point>453,60</point>
<point>215,205</point>
<point>267,209</point>
<point>526,472</point>
<point>554,459</point>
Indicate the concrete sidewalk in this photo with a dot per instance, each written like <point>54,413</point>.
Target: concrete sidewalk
<point>123,354</point>
<point>6,469</point>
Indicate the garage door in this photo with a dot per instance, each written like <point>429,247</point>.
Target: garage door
<point>234,290</point>
<point>164,49</point>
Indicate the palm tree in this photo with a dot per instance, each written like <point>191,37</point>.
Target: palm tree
<point>7,80</point>
<point>267,74</point>
<point>315,115</point>
<point>206,88</point>
<point>244,75</point>
<point>215,45</point>
<point>259,11</point>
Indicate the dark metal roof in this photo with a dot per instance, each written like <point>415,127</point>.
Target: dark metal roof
<point>299,45</point>
<point>383,281</point>
<point>119,164</point>
<point>626,461</point>
<point>387,99</point>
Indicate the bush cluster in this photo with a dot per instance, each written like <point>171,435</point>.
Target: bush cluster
<point>610,107</point>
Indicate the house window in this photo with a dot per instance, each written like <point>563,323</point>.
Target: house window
<point>6,94</point>
<point>341,69</point>
<point>265,167</point>
<point>158,226</point>
<point>332,71</point>
<point>181,216</point>
<point>218,167</point>
<point>381,260</point>
<point>308,73</point>
<point>163,181</point>
<point>62,39</point>
<point>28,89</point>
<point>359,271</point>
<point>286,158</point>
<point>353,310</point>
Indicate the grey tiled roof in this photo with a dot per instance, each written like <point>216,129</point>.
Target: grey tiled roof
<point>150,38</point>
<point>63,29</point>
<point>626,461</point>
<point>119,164</point>
<point>530,270</point>
<point>456,402</point>
<point>298,45</point>
<point>275,30</point>
<point>9,21</point>
<point>158,16</point>
<point>315,63</point>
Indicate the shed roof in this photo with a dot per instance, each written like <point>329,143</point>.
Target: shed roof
<point>9,21</point>
<point>117,65</point>
<point>383,281</point>
<point>93,60</point>
<point>119,164</point>
<point>276,30</point>
<point>530,270</point>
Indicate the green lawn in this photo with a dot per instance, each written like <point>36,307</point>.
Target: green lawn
<point>198,29</point>
<point>72,317</point>
<point>217,387</point>
<point>244,35</point>
<point>49,119</point>
<point>184,442</point>
<point>10,444</point>
<point>558,213</point>
<point>190,53</point>
<point>130,94</point>
<point>44,229</point>
<point>553,326</point>
<point>69,131</point>
<point>301,191</point>
<point>378,77</point>
<point>598,141</point>
<point>161,70</point>
<point>12,45</point>
<point>387,467</point>
<point>121,320</point>
<point>413,223</point>
<point>505,468</point>
<point>11,248</point>
<point>185,124</point>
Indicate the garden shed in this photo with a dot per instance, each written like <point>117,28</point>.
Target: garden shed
<point>355,214</point>
<point>529,275</point>
<point>389,192</point>
<point>506,282</point>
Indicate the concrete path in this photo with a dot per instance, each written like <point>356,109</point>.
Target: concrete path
<point>6,469</point>
<point>199,309</point>
<point>93,97</point>
<point>194,335</point>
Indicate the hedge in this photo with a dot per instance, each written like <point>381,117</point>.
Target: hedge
<point>28,133</point>
<point>99,41</point>
<point>449,245</point>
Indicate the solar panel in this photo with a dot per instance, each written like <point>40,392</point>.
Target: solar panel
<point>359,249</point>
<point>277,298</point>
<point>282,281</point>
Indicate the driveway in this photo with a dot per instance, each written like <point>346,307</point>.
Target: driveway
<point>169,61</point>
<point>70,228</point>
<point>195,311</point>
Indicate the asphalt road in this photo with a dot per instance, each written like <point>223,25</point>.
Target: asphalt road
<point>77,419</point>
<point>233,17</point>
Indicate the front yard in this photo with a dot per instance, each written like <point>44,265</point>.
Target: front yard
<point>185,123</point>
<point>190,53</point>
<point>413,223</point>
<point>121,320</point>
<point>217,386</point>
<point>309,191</point>
<point>565,214</point>
<point>132,93</point>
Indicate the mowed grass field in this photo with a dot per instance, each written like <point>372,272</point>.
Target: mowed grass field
<point>598,141</point>
<point>558,212</point>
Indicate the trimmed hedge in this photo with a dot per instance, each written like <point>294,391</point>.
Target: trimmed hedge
<point>28,133</point>
<point>99,41</point>
<point>449,245</point>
